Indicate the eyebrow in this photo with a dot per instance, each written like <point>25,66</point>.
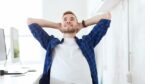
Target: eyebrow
<point>70,17</point>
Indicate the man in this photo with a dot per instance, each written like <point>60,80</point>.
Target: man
<point>70,60</point>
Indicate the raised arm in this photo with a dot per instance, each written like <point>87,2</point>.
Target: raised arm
<point>44,23</point>
<point>96,19</point>
<point>35,26</point>
<point>99,30</point>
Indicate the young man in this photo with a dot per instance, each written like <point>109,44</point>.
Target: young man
<point>70,60</point>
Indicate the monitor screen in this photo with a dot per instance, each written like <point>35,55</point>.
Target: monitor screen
<point>15,52</point>
<point>3,56</point>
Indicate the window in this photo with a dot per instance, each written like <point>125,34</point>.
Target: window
<point>14,13</point>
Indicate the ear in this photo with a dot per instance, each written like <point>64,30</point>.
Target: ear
<point>60,27</point>
<point>80,25</point>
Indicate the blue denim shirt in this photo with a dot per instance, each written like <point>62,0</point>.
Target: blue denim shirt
<point>86,45</point>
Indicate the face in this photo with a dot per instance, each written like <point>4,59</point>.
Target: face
<point>69,23</point>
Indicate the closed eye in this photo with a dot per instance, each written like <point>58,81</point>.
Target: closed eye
<point>71,18</point>
<point>65,19</point>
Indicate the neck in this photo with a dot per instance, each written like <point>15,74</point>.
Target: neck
<point>69,35</point>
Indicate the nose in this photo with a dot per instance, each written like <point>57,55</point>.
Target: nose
<point>68,22</point>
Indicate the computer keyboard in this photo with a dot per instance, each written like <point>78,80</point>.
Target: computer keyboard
<point>5,72</point>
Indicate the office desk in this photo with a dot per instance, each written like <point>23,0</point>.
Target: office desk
<point>27,78</point>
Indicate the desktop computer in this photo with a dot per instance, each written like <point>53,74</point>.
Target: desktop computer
<point>15,67</point>
<point>14,42</point>
<point>3,53</point>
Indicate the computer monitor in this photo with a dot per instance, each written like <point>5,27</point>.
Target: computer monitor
<point>14,40</point>
<point>3,55</point>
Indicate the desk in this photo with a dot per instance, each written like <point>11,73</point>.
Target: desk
<point>27,78</point>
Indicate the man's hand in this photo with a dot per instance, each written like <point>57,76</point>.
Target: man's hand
<point>79,26</point>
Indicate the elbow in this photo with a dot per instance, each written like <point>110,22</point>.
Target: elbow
<point>109,16</point>
<point>106,16</point>
<point>29,21</point>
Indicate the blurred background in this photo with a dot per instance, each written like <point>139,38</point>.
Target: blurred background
<point>120,55</point>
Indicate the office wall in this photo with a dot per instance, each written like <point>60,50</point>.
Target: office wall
<point>137,40</point>
<point>122,49</point>
<point>112,52</point>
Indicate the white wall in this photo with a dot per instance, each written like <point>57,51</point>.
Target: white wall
<point>113,49</point>
<point>122,49</point>
<point>137,40</point>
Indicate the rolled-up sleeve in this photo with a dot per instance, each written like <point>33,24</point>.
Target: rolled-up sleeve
<point>99,30</point>
<point>40,34</point>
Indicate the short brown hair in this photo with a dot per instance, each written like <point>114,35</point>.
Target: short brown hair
<point>69,12</point>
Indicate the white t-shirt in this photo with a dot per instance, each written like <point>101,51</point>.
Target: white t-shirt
<point>69,66</point>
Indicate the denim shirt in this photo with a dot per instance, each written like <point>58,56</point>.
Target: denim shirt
<point>86,44</point>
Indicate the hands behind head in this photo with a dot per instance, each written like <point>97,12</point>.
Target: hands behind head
<point>79,25</point>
